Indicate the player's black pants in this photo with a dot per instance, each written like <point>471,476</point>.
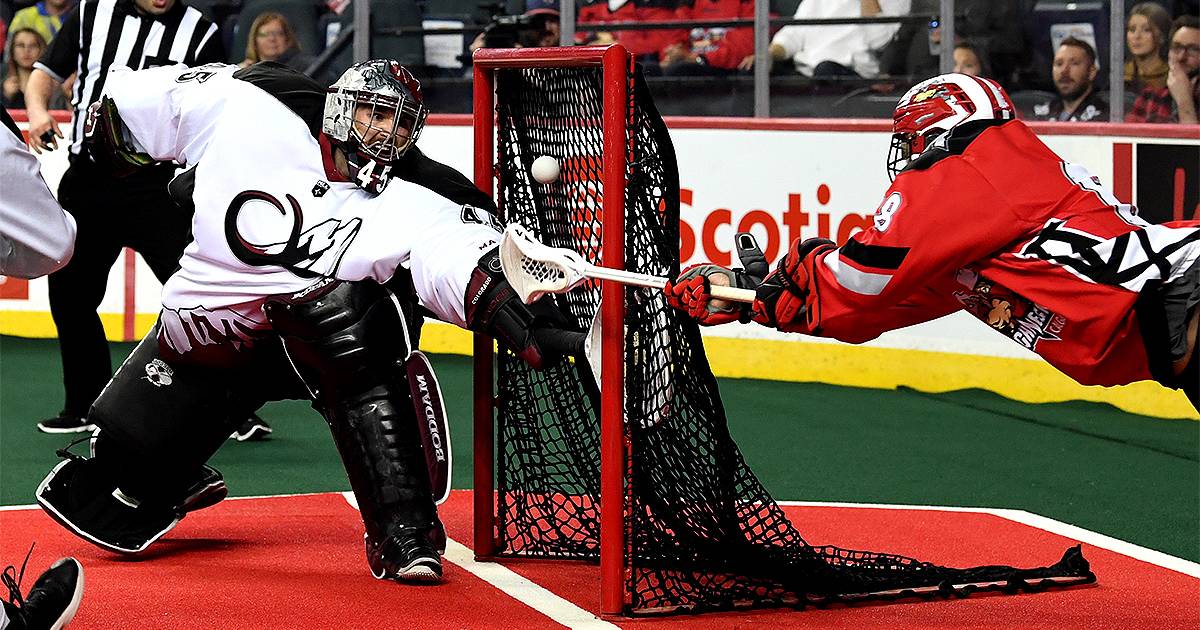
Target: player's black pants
<point>111,213</point>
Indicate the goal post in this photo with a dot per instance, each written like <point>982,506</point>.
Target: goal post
<point>638,472</point>
<point>614,63</point>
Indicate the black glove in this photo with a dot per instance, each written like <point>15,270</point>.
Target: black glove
<point>538,333</point>
<point>107,142</point>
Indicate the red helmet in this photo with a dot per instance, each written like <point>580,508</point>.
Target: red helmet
<point>935,106</point>
<point>393,113</point>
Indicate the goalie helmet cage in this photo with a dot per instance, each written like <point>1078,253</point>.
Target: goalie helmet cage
<point>644,478</point>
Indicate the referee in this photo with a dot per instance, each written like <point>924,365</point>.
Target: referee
<point>111,213</point>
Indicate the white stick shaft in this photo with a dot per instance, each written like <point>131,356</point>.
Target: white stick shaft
<point>732,294</point>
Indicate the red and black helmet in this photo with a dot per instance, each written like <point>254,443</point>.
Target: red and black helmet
<point>935,106</point>
<point>381,89</point>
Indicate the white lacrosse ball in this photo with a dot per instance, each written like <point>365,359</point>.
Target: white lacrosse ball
<point>544,169</point>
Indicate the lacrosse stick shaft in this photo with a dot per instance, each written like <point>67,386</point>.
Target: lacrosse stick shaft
<point>733,294</point>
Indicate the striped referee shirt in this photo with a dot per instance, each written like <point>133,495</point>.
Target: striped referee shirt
<point>99,35</point>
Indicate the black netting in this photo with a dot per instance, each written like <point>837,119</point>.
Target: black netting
<point>702,532</point>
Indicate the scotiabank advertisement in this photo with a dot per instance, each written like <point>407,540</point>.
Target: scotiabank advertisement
<point>780,180</point>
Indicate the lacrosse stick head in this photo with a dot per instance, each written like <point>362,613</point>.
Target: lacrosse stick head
<point>534,269</point>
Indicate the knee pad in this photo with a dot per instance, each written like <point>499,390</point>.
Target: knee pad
<point>161,421</point>
<point>349,342</point>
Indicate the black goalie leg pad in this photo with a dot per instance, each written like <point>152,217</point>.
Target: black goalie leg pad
<point>348,341</point>
<point>159,423</point>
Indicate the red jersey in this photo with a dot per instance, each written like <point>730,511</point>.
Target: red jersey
<point>1005,229</point>
<point>722,47</point>
<point>639,43</point>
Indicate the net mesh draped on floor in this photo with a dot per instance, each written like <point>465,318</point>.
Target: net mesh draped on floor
<point>702,533</point>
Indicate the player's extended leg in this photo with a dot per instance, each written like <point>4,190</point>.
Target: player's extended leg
<point>159,423</point>
<point>349,342</point>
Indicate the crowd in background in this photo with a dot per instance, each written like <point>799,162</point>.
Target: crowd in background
<point>1050,55</point>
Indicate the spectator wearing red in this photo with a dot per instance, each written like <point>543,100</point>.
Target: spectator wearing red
<point>1177,102</point>
<point>645,45</point>
<point>712,51</point>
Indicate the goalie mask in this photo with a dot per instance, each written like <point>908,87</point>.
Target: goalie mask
<point>373,113</point>
<point>935,106</point>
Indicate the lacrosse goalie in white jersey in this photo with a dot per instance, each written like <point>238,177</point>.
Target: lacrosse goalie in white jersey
<point>321,236</point>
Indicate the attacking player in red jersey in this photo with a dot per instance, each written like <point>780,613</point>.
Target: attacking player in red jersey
<point>982,216</point>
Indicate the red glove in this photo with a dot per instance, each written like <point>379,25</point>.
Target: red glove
<point>690,293</point>
<point>783,297</point>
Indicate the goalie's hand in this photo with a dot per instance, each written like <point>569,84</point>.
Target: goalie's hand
<point>538,333</point>
<point>783,297</point>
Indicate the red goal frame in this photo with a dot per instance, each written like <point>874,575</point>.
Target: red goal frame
<point>616,64</point>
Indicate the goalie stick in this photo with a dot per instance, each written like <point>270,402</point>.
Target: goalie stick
<point>534,269</point>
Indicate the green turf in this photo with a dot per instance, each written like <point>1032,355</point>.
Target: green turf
<point>1091,465</point>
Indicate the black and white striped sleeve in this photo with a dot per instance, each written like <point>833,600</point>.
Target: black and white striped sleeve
<point>61,58</point>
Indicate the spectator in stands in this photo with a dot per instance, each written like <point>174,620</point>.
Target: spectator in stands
<point>993,27</point>
<point>272,38</point>
<point>538,28</point>
<point>645,45</point>
<point>1146,45</point>
<point>837,50</point>
<point>1177,101</point>
<point>23,50</point>
<point>45,17</point>
<point>968,60</point>
<point>711,51</point>
<point>1074,73</point>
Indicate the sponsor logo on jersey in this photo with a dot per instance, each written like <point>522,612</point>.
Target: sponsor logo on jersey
<point>159,373</point>
<point>320,188</point>
<point>883,216</point>
<point>1016,317</point>
<point>471,214</point>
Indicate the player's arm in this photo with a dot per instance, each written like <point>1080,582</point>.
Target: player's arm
<point>57,63</point>
<point>159,114</point>
<point>457,276</point>
<point>931,224</point>
<point>36,235</point>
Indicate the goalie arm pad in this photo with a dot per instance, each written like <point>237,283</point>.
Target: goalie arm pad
<point>108,141</point>
<point>537,333</point>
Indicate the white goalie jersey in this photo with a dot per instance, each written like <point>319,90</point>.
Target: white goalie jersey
<point>271,217</point>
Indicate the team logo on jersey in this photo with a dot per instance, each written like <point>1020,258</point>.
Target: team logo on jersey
<point>320,188</point>
<point>1016,317</point>
<point>883,216</point>
<point>159,373</point>
<point>310,253</point>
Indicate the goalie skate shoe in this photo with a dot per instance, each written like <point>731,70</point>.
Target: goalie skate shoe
<point>51,602</point>
<point>407,556</point>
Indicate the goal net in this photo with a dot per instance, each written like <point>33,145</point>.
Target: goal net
<point>686,525</point>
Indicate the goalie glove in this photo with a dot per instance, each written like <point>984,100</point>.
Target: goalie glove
<point>782,298</point>
<point>537,333</point>
<point>691,292</point>
<point>107,140</point>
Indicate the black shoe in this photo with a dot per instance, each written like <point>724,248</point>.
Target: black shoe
<point>52,601</point>
<point>252,429</point>
<point>65,423</point>
<point>405,557</point>
<point>207,491</point>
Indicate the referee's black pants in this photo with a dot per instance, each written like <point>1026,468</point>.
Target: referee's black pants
<point>111,213</point>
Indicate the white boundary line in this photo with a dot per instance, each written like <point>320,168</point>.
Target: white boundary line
<point>517,586</point>
<point>1116,545</point>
